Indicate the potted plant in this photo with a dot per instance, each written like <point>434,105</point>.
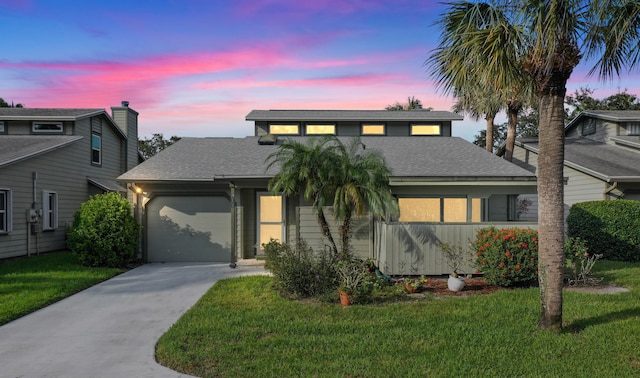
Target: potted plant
<point>455,256</point>
<point>414,285</point>
<point>351,275</point>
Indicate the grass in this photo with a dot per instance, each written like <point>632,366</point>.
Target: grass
<point>28,284</point>
<point>242,328</point>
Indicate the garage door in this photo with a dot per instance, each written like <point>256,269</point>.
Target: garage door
<point>189,228</point>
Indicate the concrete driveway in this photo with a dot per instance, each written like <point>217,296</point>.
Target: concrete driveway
<point>110,330</point>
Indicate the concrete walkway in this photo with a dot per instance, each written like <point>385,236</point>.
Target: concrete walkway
<point>110,330</point>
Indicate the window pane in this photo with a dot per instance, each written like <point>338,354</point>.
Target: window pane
<point>419,209</point>
<point>455,210</point>
<point>476,209</point>
<point>425,129</point>
<point>3,201</point>
<point>270,209</point>
<point>95,141</point>
<point>284,129</point>
<point>372,129</point>
<point>268,231</point>
<point>321,129</point>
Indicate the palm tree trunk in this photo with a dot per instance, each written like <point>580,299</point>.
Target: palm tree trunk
<point>551,205</point>
<point>345,230</point>
<point>512,114</point>
<point>489,136</point>
<point>326,231</point>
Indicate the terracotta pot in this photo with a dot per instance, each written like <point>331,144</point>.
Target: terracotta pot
<point>455,283</point>
<point>345,299</point>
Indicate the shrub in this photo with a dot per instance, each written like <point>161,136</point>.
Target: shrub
<point>610,228</point>
<point>356,279</point>
<point>507,257</point>
<point>104,232</point>
<point>580,262</point>
<point>298,271</point>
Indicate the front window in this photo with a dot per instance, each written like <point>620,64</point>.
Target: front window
<point>47,127</point>
<point>270,218</point>
<point>49,210</point>
<point>1,127</point>
<point>321,129</point>
<point>441,209</point>
<point>96,149</point>
<point>5,211</point>
<point>286,129</point>
<point>419,129</point>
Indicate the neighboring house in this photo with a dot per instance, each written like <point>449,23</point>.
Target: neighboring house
<point>51,161</point>
<point>206,199</point>
<point>601,162</point>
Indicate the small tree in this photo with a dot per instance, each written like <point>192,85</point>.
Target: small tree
<point>104,233</point>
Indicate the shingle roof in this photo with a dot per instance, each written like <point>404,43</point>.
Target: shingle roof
<point>607,115</point>
<point>59,114</point>
<point>206,159</point>
<point>351,115</point>
<point>605,161</point>
<point>14,148</point>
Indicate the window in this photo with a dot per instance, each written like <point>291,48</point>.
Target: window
<point>1,127</point>
<point>270,218</point>
<point>96,149</point>
<point>633,129</point>
<point>47,127</point>
<point>445,209</point>
<point>589,127</point>
<point>291,129</point>
<point>373,129</point>
<point>320,129</point>
<point>5,211</point>
<point>417,129</point>
<point>49,210</point>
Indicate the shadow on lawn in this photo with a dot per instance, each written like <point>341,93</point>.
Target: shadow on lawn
<point>579,325</point>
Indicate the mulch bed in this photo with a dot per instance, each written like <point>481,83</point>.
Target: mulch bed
<point>473,286</point>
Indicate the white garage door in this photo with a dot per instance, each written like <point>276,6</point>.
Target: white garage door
<point>189,228</point>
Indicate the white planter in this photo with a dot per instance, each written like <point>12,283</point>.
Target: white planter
<point>455,283</point>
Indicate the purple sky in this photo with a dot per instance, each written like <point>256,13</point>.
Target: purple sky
<point>196,68</point>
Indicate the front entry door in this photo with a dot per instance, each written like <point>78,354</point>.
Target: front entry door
<point>270,219</point>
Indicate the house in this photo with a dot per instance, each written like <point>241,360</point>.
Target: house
<point>206,199</point>
<point>601,162</point>
<point>51,161</point>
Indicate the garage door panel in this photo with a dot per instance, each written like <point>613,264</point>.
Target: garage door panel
<point>189,228</point>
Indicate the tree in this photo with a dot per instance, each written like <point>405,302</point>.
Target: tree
<point>412,104</point>
<point>582,100</point>
<point>4,104</point>
<point>326,171</point>
<point>480,32</point>
<point>550,38</point>
<point>479,105</point>
<point>527,127</point>
<point>151,146</point>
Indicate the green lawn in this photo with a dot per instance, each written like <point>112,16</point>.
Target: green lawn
<point>28,284</point>
<point>240,328</point>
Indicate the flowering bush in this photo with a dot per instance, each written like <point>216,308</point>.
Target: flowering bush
<point>507,257</point>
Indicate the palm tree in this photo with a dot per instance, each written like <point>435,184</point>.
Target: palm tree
<point>362,188</point>
<point>482,33</point>
<point>307,169</point>
<point>479,102</point>
<point>549,37</point>
<point>412,104</point>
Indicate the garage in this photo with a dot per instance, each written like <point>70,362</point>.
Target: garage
<point>188,228</point>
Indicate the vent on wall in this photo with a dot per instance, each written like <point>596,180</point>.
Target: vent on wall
<point>268,139</point>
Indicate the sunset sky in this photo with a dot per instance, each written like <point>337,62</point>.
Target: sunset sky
<point>197,68</point>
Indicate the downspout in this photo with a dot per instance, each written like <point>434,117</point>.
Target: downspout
<point>609,190</point>
<point>232,188</point>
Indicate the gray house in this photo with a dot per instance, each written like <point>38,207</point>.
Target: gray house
<point>602,156</point>
<point>206,199</point>
<point>51,161</point>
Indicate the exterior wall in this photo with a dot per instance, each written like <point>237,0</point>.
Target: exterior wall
<point>604,130</point>
<point>63,171</point>
<point>527,160</point>
<point>414,248</point>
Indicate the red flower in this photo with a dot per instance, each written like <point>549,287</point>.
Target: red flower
<point>481,248</point>
<point>501,265</point>
<point>518,267</point>
<point>525,245</point>
<point>478,253</point>
<point>533,259</point>
<point>508,254</point>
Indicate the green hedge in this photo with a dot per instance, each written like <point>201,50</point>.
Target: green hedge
<point>611,228</point>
